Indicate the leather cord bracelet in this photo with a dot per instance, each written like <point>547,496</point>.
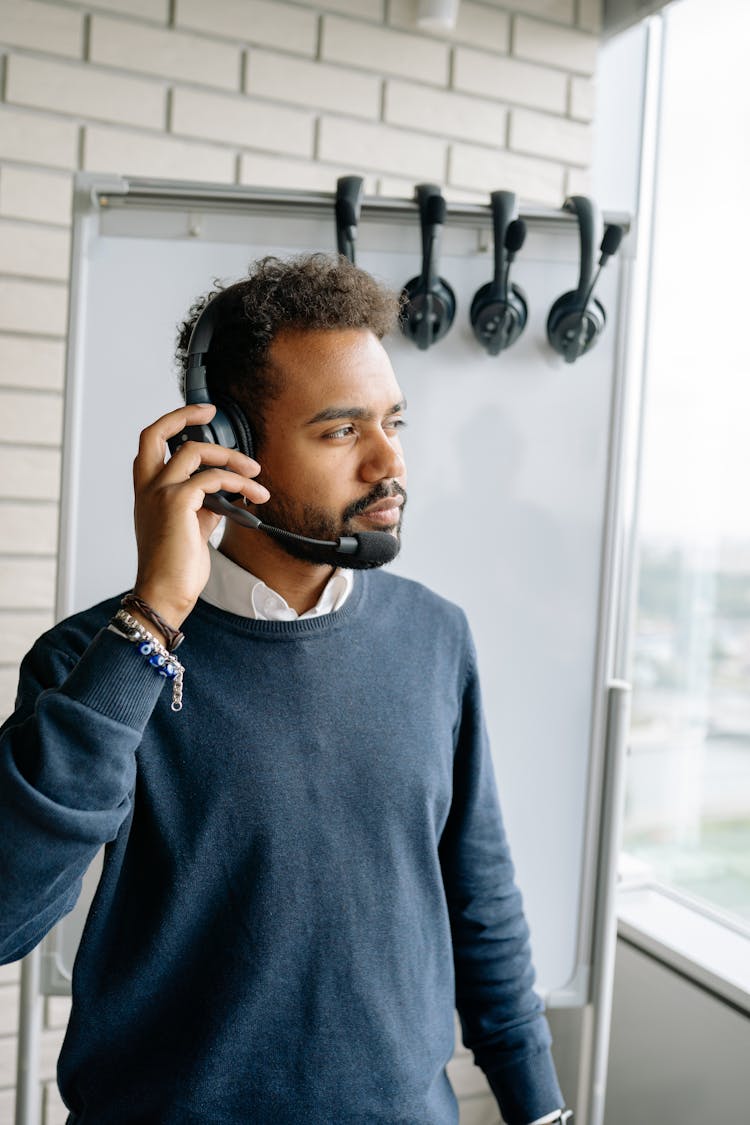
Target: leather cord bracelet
<point>173,637</point>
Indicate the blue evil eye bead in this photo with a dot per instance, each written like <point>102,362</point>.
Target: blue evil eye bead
<point>146,648</point>
<point>170,671</point>
<point>157,660</point>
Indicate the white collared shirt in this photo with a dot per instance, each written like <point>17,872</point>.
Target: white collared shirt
<point>236,590</point>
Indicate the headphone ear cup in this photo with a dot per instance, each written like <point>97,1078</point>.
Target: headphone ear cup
<point>236,423</point>
<point>487,313</point>
<point>565,318</point>
<point>428,314</point>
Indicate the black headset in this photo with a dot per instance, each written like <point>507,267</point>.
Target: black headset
<point>229,425</point>
<point>430,303</point>
<point>498,314</point>
<point>576,320</point>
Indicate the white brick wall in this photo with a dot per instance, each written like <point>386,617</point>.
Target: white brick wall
<point>266,22</point>
<point>34,139</point>
<point>42,27</point>
<point>27,193</point>
<point>286,93</point>
<point>163,52</point>
<point>32,306</point>
<point>29,361</point>
<point>34,251</point>
<point>82,90</point>
<point>301,81</point>
<point>444,114</point>
<point>243,122</point>
<point>554,46</point>
<point>509,80</point>
<point>111,150</point>
<point>384,51</point>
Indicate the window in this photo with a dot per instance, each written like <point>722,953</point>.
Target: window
<point>688,782</point>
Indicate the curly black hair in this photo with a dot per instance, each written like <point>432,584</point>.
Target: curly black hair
<point>310,291</point>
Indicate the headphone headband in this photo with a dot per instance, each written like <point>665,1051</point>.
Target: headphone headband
<point>589,224</point>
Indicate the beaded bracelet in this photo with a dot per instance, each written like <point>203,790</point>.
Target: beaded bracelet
<point>154,651</point>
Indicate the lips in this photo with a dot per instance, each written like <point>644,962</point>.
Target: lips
<point>385,505</point>
<point>384,513</point>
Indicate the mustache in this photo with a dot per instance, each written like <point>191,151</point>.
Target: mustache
<point>381,491</point>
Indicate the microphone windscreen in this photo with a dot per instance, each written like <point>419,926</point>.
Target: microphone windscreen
<point>515,236</point>
<point>612,239</point>
<point>376,548</point>
<point>434,213</point>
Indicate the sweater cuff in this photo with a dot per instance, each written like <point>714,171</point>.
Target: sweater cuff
<point>113,678</point>
<point>526,1088</point>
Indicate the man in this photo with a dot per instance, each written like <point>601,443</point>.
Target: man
<point>305,865</point>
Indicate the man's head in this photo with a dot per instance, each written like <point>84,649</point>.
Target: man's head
<point>308,292</point>
<point>298,348</point>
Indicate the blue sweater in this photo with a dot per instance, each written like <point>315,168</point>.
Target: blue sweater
<point>305,869</point>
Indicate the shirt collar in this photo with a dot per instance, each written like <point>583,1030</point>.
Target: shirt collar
<point>237,591</point>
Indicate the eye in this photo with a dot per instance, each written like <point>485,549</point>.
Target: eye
<point>342,432</point>
<point>396,423</point>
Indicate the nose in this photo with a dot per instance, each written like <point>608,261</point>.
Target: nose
<point>384,459</point>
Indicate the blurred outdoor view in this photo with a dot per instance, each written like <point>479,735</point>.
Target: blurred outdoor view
<point>688,793</point>
<point>688,802</point>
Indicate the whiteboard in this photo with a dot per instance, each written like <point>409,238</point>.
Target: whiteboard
<point>512,481</point>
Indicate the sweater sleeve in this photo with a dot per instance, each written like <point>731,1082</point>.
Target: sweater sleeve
<point>502,1018</point>
<point>67,774</point>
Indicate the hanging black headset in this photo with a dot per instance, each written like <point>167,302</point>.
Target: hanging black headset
<point>430,303</point>
<point>576,320</point>
<point>498,313</point>
<point>348,206</point>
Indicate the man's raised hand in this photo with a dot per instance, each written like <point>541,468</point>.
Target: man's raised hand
<point>171,525</point>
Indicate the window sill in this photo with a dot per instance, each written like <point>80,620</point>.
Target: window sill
<point>710,950</point>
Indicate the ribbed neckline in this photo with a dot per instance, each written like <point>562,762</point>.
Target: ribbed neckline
<point>284,630</point>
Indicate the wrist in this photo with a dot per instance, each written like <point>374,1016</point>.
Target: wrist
<point>146,614</point>
<point>173,611</point>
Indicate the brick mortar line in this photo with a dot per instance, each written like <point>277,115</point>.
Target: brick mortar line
<point>43,224</point>
<point>565,165</point>
<point>59,282</point>
<point>385,23</point>
<point>411,131</point>
<point>31,445</point>
<point>87,8</point>
<point>22,503</point>
<point>153,78</point>
<point>571,71</point>
<point>448,86</point>
<point>20,333</point>
<point>483,99</point>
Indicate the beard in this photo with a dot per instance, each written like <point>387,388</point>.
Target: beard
<point>320,523</point>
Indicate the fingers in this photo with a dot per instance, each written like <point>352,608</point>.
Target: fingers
<point>152,446</point>
<point>193,455</point>
<point>221,480</point>
<point>149,469</point>
<point>204,459</point>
